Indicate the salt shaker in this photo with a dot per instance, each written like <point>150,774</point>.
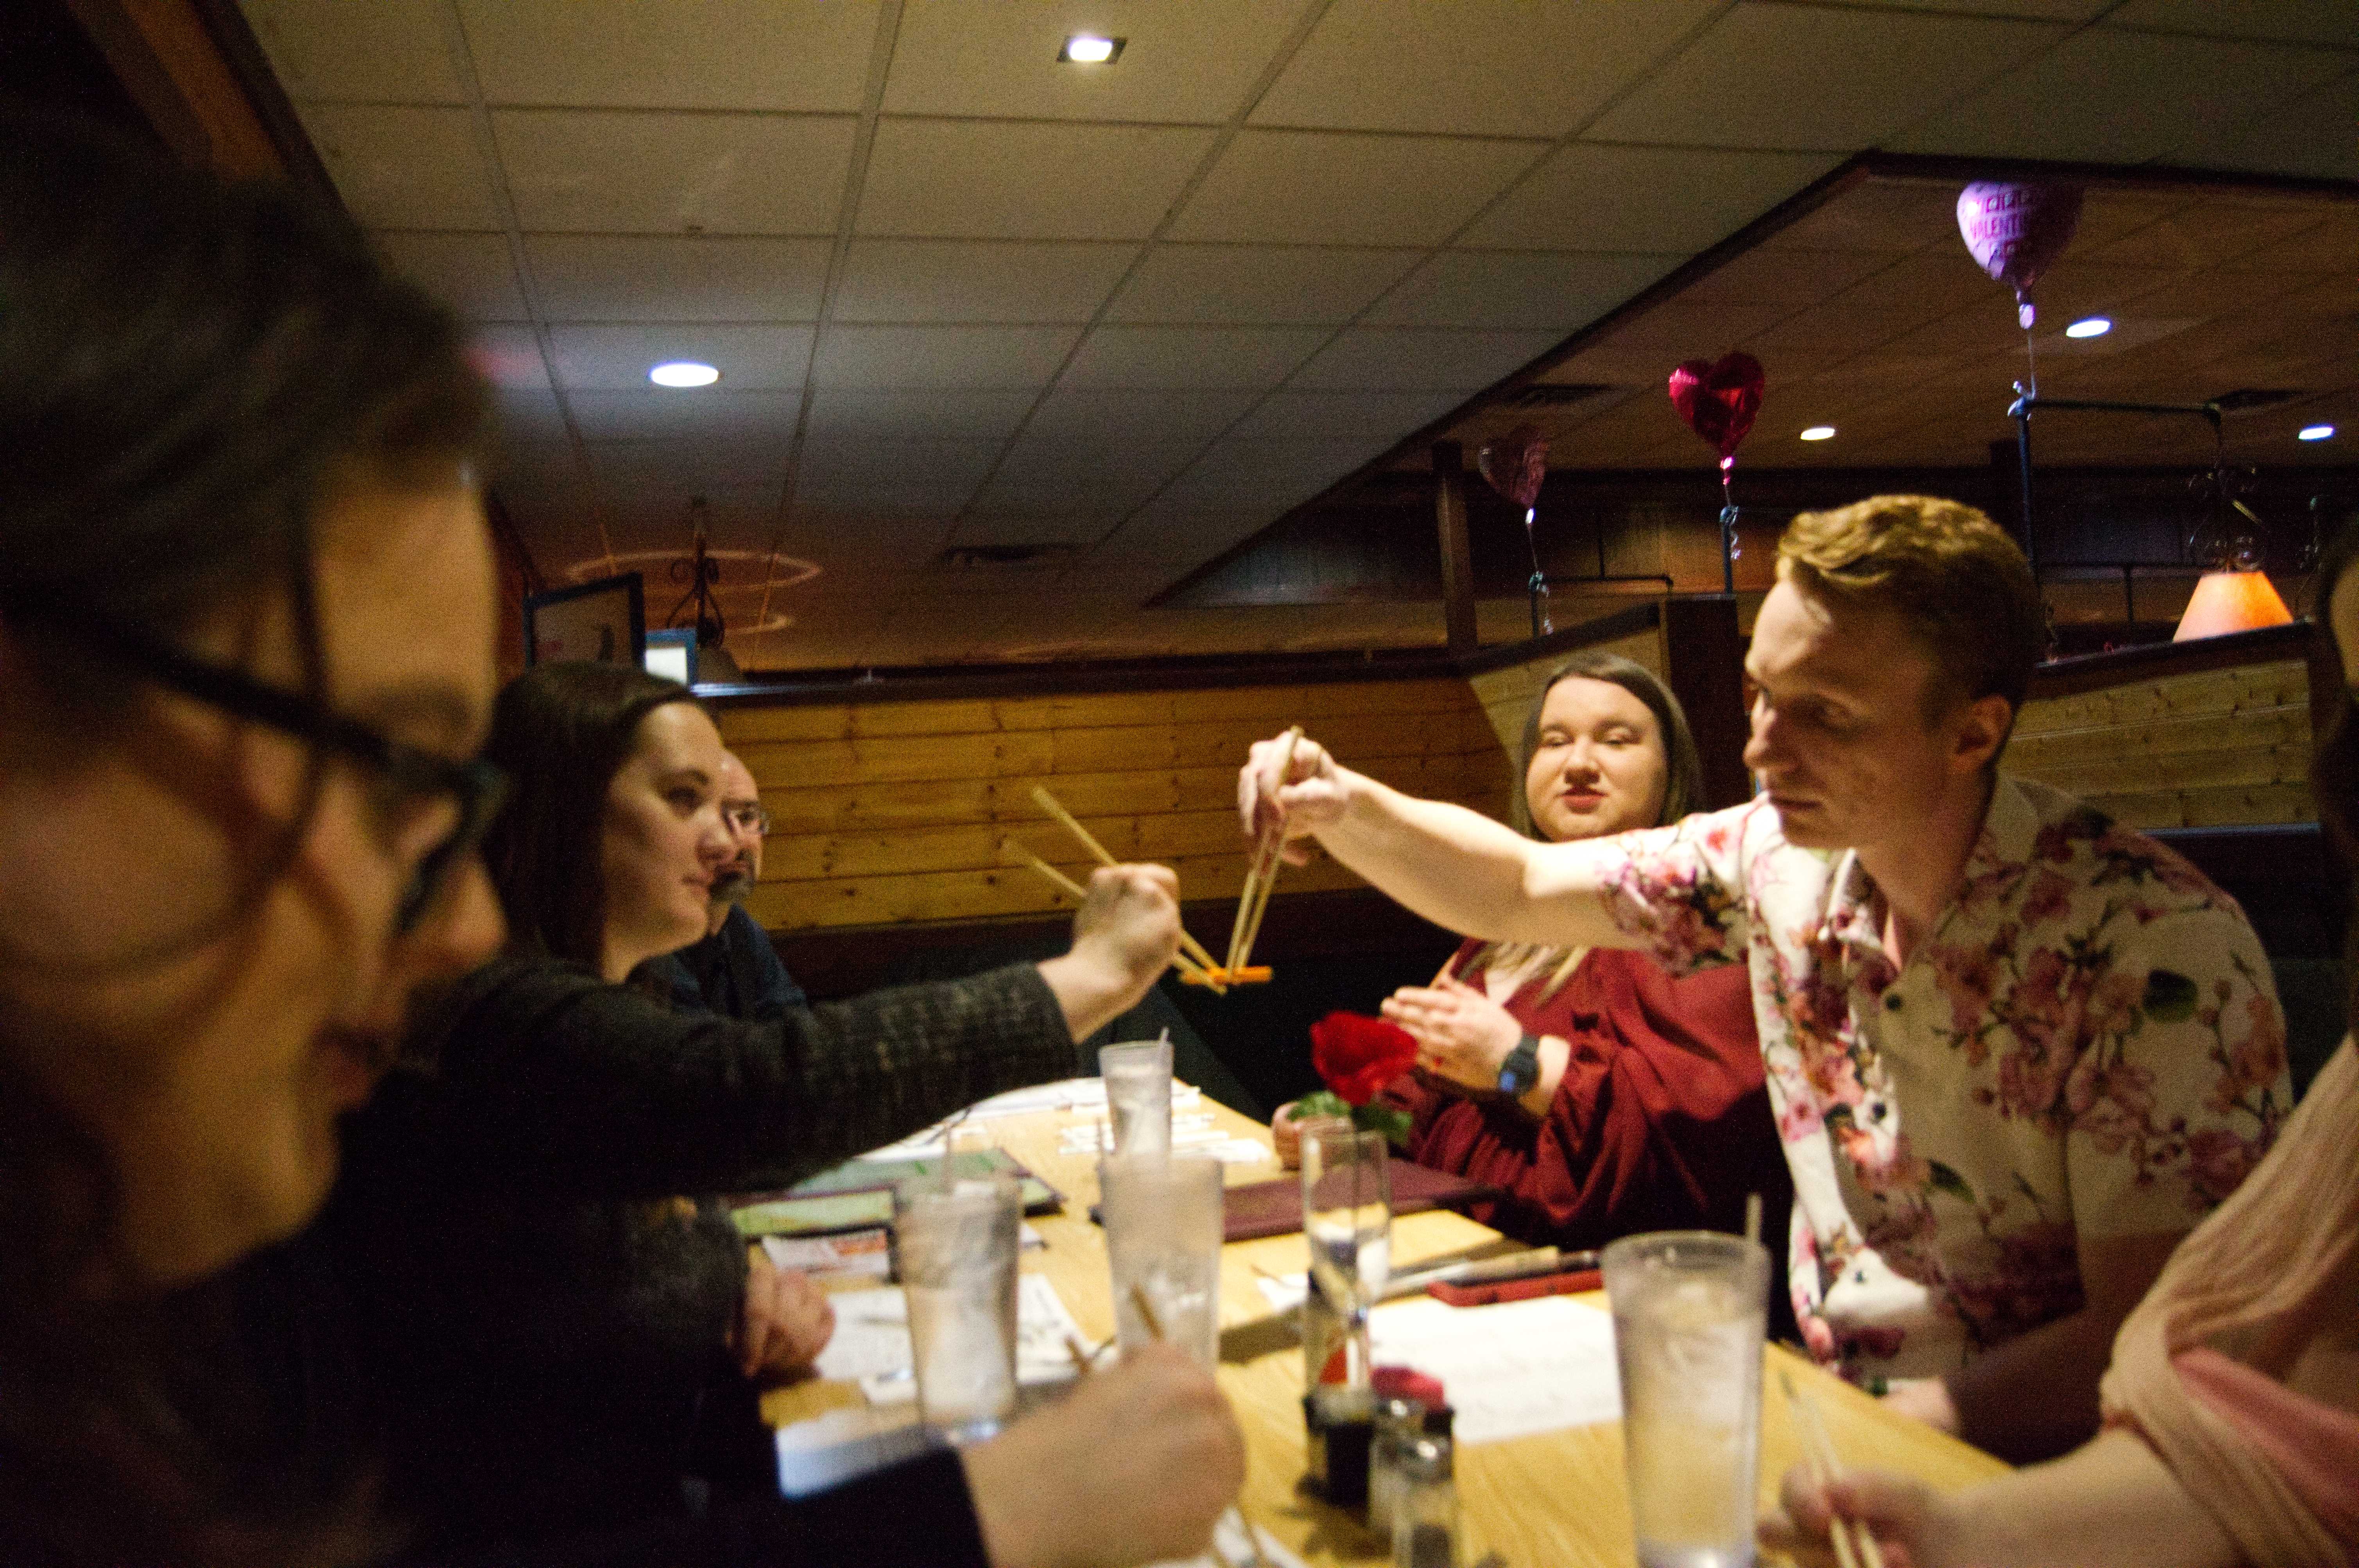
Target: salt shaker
<point>1403,1399</point>
<point>1425,1510</point>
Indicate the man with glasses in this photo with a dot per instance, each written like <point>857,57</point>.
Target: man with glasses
<point>734,971</point>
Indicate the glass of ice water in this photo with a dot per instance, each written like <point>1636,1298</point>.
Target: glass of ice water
<point>1138,1095</point>
<point>956,1243</point>
<point>1689,1311</point>
<point>1347,1218</point>
<point>1163,1240</point>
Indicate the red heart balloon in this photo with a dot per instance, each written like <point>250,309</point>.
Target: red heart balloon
<point>1516,464</point>
<point>1719,400</point>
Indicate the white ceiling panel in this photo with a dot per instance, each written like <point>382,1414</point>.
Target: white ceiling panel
<point>2109,96</point>
<point>1508,68</point>
<point>1096,418</point>
<point>509,357</point>
<point>1037,517</point>
<point>1510,289</point>
<point>1376,418</point>
<point>400,168</point>
<point>1258,284</point>
<point>2332,22</point>
<point>528,415</point>
<point>1190,358</point>
<point>1414,359</point>
<point>988,180</point>
<point>803,54</point>
<point>616,357</point>
<point>916,476</point>
<point>997,58</point>
<point>842,415</point>
<point>667,473</point>
<point>1274,475</point>
<point>677,278</point>
<point>1818,77</point>
<point>1589,197</point>
<point>659,413</point>
<point>1331,188</point>
<point>470,273</point>
<point>976,280</point>
<point>390,51</point>
<point>972,358</point>
<point>1169,536</point>
<point>2311,136</point>
<point>583,169</point>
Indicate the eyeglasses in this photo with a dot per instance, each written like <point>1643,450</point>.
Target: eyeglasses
<point>748,818</point>
<point>407,773</point>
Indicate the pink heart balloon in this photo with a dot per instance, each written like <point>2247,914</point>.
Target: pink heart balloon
<point>2017,231</point>
<point>1719,398</point>
<point>1516,464</point>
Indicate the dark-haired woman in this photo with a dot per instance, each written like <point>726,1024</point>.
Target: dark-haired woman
<point>1599,1095</point>
<point>245,659</point>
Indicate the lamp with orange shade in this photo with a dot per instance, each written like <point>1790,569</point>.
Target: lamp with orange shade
<point>2227,602</point>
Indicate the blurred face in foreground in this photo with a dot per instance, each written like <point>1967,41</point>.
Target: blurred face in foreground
<point>1599,766</point>
<point>208,1044</point>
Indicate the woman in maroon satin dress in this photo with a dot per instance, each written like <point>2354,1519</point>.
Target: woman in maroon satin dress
<point>1645,1111</point>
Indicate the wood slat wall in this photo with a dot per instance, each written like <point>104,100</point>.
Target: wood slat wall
<point>887,811</point>
<point>2211,748</point>
<point>1506,693</point>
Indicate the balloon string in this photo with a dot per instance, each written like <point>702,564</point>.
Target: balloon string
<point>1538,584</point>
<point>2024,315</point>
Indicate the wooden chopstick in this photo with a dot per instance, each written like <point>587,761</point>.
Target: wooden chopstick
<point>1072,824</point>
<point>1855,1545</point>
<point>1080,893</point>
<point>1253,902</point>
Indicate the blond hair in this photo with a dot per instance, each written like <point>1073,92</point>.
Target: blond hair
<point>1957,580</point>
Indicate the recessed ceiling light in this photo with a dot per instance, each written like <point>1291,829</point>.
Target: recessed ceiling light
<point>1819,433</point>
<point>1089,49</point>
<point>683,373</point>
<point>2090,327</point>
<point>2314,433</point>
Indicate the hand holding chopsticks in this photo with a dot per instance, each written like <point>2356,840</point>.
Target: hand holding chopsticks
<point>1855,1543</point>
<point>1197,957</point>
<point>1253,902</point>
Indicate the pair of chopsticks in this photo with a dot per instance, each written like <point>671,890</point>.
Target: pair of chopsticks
<point>1081,1368</point>
<point>1855,1544</point>
<point>1191,960</point>
<point>1253,902</point>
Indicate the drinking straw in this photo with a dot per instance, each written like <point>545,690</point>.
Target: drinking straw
<point>1753,1217</point>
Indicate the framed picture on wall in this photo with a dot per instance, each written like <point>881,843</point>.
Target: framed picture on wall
<point>604,622</point>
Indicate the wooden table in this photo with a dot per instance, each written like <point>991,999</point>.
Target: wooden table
<point>1557,1498</point>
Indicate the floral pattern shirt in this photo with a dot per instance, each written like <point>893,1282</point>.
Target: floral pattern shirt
<point>2087,1044</point>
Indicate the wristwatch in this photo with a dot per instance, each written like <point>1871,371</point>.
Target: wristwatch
<point>1521,1070</point>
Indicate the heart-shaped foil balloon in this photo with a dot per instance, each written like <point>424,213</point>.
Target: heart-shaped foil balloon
<point>1719,398</point>
<point>2017,231</point>
<point>1516,464</point>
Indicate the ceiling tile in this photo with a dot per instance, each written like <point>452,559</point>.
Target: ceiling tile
<point>1588,196</point>
<point>616,357</point>
<point>1877,217</point>
<point>2109,96</point>
<point>656,413</point>
<point>1090,418</point>
<point>1035,522</point>
<point>1333,187</point>
<point>1272,285</point>
<point>838,416</point>
<point>992,181</point>
<point>1405,358</point>
<point>1508,290</point>
<point>976,280</point>
<point>805,55</point>
<point>390,52</point>
<point>2038,10</point>
<point>2311,136</point>
<point>2330,22</point>
<point>1185,358</point>
<point>677,278</point>
<point>470,272</point>
<point>1776,275</point>
<point>976,358</point>
<point>997,58</point>
<point>1506,67</point>
<point>634,172</point>
<point>1816,77</point>
<point>1170,536</point>
<point>2207,233</point>
<point>509,357</point>
<point>399,167</point>
<point>528,414</point>
<point>915,476</point>
<point>1275,475</point>
<point>1378,418</point>
<point>689,466</point>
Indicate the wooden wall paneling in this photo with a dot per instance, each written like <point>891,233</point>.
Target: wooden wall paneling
<point>1506,693</point>
<point>1458,613</point>
<point>2278,684</point>
<point>1705,654</point>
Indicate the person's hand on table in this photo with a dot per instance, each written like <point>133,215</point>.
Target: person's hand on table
<point>1286,1137</point>
<point>1461,1035</point>
<point>1911,1522</point>
<point>1135,1466</point>
<point>1124,936</point>
<point>1313,793</point>
<point>783,1323</point>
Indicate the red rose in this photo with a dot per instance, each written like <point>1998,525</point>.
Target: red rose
<point>1359,1056</point>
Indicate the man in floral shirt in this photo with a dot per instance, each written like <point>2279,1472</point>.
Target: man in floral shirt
<point>2015,1050</point>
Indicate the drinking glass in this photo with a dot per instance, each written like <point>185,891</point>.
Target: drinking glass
<point>1163,1240</point>
<point>955,1241</point>
<point>1138,1095</point>
<point>1689,1307</point>
<point>1347,1218</point>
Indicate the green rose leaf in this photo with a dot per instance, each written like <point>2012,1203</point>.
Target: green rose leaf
<point>2169,998</point>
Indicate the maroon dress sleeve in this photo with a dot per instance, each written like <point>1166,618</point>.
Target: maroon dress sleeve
<point>1661,1123</point>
